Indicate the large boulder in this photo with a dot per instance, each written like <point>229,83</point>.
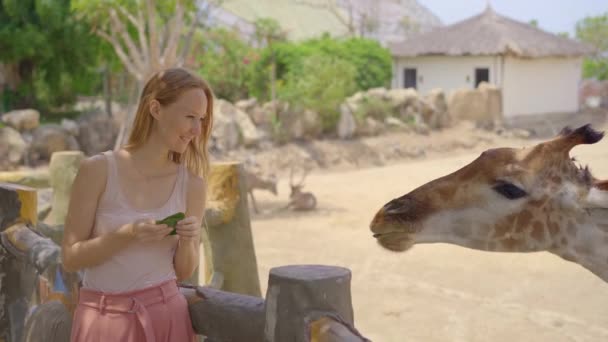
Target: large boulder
<point>299,124</point>
<point>12,148</point>
<point>225,135</point>
<point>482,105</point>
<point>593,93</point>
<point>247,105</point>
<point>347,126</point>
<point>435,109</point>
<point>231,115</point>
<point>48,139</point>
<point>97,132</point>
<point>404,97</point>
<point>22,120</point>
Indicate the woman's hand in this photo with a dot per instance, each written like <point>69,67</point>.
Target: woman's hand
<point>146,230</point>
<point>189,228</point>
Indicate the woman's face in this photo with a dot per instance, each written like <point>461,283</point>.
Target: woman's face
<point>181,121</point>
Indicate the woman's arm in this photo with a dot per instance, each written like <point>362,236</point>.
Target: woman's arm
<point>77,250</point>
<point>186,258</point>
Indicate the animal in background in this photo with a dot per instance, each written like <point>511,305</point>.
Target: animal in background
<point>259,181</point>
<point>298,199</point>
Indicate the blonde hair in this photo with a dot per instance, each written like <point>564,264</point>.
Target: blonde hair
<point>165,87</point>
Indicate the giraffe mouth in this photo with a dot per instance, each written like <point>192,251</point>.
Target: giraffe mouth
<point>395,241</point>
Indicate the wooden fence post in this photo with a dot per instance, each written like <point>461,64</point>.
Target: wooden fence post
<point>62,171</point>
<point>224,316</point>
<point>17,206</point>
<point>29,263</point>
<point>230,261</point>
<point>304,303</point>
<point>307,303</point>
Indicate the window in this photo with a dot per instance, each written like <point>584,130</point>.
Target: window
<point>409,78</point>
<point>481,75</point>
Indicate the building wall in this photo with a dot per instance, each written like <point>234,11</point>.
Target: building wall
<point>541,86</point>
<point>529,86</point>
<point>446,72</point>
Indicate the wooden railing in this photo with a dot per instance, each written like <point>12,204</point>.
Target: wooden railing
<point>38,297</point>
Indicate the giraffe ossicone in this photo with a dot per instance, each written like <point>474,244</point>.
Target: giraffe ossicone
<point>509,200</point>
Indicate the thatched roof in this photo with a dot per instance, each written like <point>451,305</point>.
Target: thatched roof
<point>489,34</point>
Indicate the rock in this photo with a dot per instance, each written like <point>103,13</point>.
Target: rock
<point>48,139</point>
<point>246,105</point>
<point>22,120</point>
<point>70,126</point>
<point>346,125</point>
<point>12,148</point>
<point>466,104</point>
<point>379,93</point>
<point>394,122</point>
<point>401,97</point>
<point>593,93</point>
<point>370,127</point>
<point>225,134</point>
<point>437,117</point>
<point>97,132</point>
<point>247,130</point>
<point>296,124</point>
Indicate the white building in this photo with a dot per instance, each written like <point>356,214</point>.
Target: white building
<point>538,72</point>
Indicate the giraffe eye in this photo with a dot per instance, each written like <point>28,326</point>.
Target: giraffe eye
<point>509,190</point>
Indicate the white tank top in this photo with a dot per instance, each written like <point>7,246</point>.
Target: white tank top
<point>139,265</point>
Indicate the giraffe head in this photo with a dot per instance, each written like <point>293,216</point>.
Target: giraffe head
<point>509,200</point>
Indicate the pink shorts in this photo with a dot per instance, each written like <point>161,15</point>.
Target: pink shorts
<point>154,314</point>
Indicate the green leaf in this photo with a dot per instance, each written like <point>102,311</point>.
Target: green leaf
<point>172,220</point>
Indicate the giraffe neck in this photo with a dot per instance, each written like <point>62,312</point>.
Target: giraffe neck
<point>588,246</point>
<point>583,242</point>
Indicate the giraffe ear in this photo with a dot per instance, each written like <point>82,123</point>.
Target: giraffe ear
<point>598,196</point>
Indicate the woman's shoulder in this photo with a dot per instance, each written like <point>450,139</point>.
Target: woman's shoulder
<point>94,168</point>
<point>94,163</point>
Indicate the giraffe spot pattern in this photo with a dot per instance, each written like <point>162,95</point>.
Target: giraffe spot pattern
<point>538,231</point>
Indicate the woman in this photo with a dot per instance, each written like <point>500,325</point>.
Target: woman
<point>130,263</point>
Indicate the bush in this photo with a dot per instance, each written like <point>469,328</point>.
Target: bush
<point>320,83</point>
<point>372,62</point>
<point>374,108</point>
<point>595,68</point>
<point>225,62</point>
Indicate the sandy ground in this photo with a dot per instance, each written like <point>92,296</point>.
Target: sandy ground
<point>433,292</point>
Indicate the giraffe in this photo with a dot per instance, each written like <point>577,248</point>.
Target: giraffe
<point>509,200</point>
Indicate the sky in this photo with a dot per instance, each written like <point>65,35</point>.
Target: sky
<point>552,15</point>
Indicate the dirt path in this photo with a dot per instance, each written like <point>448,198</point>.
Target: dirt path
<point>434,292</point>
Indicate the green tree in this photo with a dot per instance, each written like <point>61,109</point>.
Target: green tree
<point>46,53</point>
<point>225,60</point>
<point>372,62</point>
<point>594,31</point>
<point>267,33</point>
<point>320,83</point>
<point>146,35</point>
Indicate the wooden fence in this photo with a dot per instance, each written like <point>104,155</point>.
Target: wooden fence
<point>38,297</point>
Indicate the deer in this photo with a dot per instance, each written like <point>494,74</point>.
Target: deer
<point>299,200</point>
<point>256,180</point>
